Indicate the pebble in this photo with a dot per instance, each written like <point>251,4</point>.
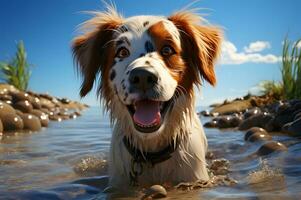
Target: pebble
<point>12,122</point>
<point>155,192</point>
<point>55,118</point>
<point>251,112</point>
<point>73,116</point>
<point>24,106</point>
<point>6,97</point>
<point>20,96</point>
<point>259,137</point>
<point>211,124</point>
<point>36,103</point>
<point>42,116</point>
<point>254,130</point>
<point>260,120</point>
<point>65,100</point>
<point>31,122</point>
<point>205,113</point>
<point>5,109</point>
<point>271,147</point>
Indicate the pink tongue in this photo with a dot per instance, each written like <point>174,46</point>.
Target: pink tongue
<point>147,112</point>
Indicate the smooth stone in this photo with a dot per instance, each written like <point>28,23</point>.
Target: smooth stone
<point>77,113</point>
<point>46,103</point>
<point>211,124</point>
<point>73,116</point>
<point>260,120</point>
<point>205,113</point>
<point>24,106</point>
<point>18,112</point>
<point>1,127</point>
<point>251,112</point>
<point>12,122</point>
<point>5,109</point>
<point>235,121</point>
<point>55,118</point>
<point>65,100</point>
<point>6,97</point>
<point>155,192</point>
<point>36,103</point>
<point>42,116</point>
<point>293,128</point>
<point>20,96</point>
<point>46,96</point>
<point>44,110</point>
<point>271,147</point>
<point>228,121</point>
<point>4,87</point>
<point>254,130</point>
<point>223,122</point>
<point>257,136</point>
<point>31,122</point>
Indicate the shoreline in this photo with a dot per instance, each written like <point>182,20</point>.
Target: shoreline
<point>260,117</point>
<point>30,111</point>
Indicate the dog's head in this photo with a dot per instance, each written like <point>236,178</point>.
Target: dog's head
<point>146,63</point>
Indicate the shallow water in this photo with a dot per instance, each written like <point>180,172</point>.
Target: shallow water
<point>68,161</point>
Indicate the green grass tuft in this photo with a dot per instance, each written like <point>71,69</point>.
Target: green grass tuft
<point>17,71</point>
<point>290,85</point>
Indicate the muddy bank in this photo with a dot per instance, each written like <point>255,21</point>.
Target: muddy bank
<point>30,111</point>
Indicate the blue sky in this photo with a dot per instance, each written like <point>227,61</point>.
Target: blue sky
<point>254,31</point>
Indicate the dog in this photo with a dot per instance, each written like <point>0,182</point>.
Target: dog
<point>146,68</point>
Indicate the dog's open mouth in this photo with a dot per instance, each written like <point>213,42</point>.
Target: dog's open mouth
<point>148,115</point>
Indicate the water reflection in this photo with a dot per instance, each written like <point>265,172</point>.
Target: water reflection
<point>69,160</point>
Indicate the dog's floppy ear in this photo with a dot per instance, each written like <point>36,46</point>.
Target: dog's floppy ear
<point>91,49</point>
<point>201,44</point>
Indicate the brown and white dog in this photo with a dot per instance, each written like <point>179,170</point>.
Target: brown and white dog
<point>147,67</point>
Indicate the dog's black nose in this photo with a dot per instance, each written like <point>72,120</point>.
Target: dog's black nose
<point>142,78</point>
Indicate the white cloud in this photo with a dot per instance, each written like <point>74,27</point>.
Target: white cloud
<point>257,46</point>
<point>230,55</point>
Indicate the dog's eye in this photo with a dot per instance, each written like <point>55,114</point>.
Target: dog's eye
<point>122,53</point>
<point>167,50</point>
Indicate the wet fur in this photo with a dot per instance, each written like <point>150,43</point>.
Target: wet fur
<point>197,47</point>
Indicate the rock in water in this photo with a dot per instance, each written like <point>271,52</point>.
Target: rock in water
<point>260,120</point>
<point>293,128</point>
<point>12,122</point>
<point>256,133</point>
<point>31,122</point>
<point>42,116</point>
<point>271,147</point>
<point>155,192</point>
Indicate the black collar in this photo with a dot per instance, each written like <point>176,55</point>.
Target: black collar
<point>150,157</point>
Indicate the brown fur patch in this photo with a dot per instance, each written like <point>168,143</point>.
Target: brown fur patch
<point>161,37</point>
<point>200,45</point>
<point>94,53</point>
